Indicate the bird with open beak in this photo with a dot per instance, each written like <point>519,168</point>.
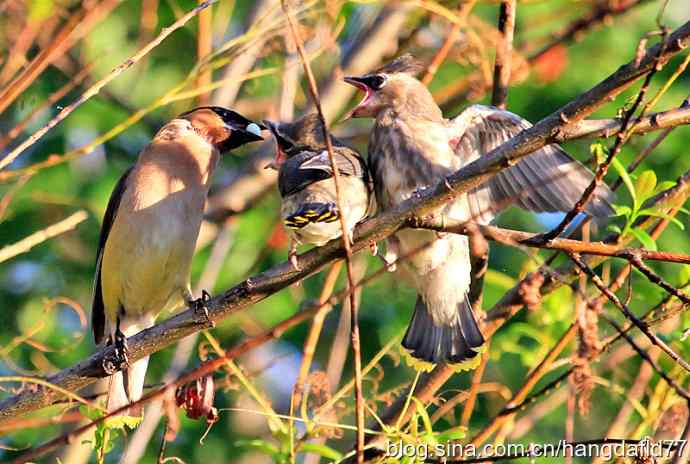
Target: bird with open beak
<point>412,147</point>
<point>305,180</point>
<point>149,233</point>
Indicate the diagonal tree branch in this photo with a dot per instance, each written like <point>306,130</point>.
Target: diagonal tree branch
<point>265,284</point>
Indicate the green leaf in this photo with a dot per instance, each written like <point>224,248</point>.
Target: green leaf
<point>622,210</point>
<point>120,422</point>
<point>321,450</point>
<point>261,446</point>
<point>644,185</point>
<point>499,279</point>
<point>644,238</point>
<point>660,214</point>
<point>664,185</point>
<point>623,173</point>
<point>684,274</point>
<point>614,228</point>
<point>426,420</point>
<point>599,151</point>
<point>455,433</point>
<point>91,413</point>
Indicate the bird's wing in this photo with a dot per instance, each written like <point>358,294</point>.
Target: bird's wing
<point>98,308</point>
<point>546,180</point>
<point>348,161</point>
<point>311,166</point>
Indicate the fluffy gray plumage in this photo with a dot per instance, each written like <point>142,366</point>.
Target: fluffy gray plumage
<point>305,181</point>
<point>412,147</point>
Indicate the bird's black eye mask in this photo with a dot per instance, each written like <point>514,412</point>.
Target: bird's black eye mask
<point>375,81</point>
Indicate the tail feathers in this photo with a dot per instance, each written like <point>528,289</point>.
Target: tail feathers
<point>310,213</point>
<point>126,387</point>
<point>456,344</point>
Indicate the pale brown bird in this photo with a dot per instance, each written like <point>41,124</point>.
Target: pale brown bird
<point>305,180</point>
<point>412,147</point>
<point>150,230</point>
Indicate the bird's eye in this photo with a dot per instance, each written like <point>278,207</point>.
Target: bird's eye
<point>378,81</point>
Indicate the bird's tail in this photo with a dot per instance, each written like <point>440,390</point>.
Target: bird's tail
<point>127,385</point>
<point>457,343</point>
<point>129,380</point>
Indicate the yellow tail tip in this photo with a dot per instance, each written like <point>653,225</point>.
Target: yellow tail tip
<point>426,366</point>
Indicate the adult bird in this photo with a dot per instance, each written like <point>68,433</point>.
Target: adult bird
<point>309,208</point>
<point>412,147</point>
<point>149,233</point>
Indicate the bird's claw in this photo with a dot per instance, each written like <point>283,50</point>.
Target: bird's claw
<point>119,358</point>
<point>388,263</point>
<point>292,255</point>
<point>200,307</point>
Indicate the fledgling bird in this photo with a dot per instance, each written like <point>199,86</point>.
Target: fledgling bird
<point>150,230</point>
<point>305,180</point>
<point>412,147</point>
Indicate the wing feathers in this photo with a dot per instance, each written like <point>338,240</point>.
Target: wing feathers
<point>548,180</point>
<point>98,308</point>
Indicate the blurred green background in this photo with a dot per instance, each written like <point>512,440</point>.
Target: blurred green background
<point>40,333</point>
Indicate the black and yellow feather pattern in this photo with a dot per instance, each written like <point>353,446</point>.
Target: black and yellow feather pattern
<point>311,213</point>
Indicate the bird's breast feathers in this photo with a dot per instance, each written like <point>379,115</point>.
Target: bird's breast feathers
<point>409,156</point>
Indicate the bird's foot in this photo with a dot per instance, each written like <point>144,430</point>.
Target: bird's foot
<point>119,358</point>
<point>388,262</point>
<point>200,307</point>
<point>387,258</point>
<point>292,256</point>
<point>374,248</point>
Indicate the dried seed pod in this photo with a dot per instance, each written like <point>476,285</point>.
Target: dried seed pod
<point>197,399</point>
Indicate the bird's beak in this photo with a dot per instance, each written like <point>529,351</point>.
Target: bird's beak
<point>249,131</point>
<point>241,130</point>
<point>361,110</point>
<point>282,144</point>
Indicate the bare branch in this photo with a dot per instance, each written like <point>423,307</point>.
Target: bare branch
<point>345,235</point>
<point>506,26</point>
<point>41,236</point>
<point>94,89</point>
<point>520,238</point>
<point>265,284</point>
<point>626,311</point>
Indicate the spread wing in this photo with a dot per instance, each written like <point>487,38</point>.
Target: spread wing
<point>545,181</point>
<point>311,166</point>
<point>97,308</point>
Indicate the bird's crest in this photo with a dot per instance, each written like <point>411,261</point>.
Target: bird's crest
<point>403,64</point>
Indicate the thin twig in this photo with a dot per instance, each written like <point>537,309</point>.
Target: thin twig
<point>41,236</point>
<point>310,345</point>
<point>524,390</point>
<point>204,47</point>
<point>626,311</point>
<point>656,279</point>
<point>621,138</point>
<point>474,388</point>
<point>50,101</point>
<point>387,222</point>
<point>440,56</point>
<point>77,26</point>
<point>504,49</point>
<point>520,238</point>
<point>645,356</point>
<point>95,88</point>
<point>345,236</point>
